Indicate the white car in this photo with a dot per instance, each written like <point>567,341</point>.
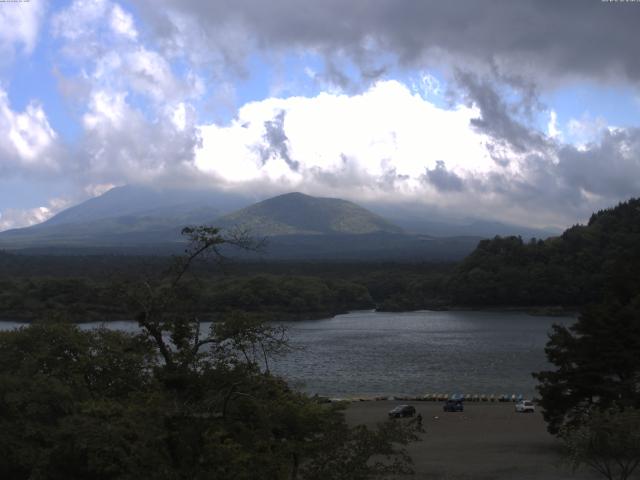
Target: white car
<point>525,406</point>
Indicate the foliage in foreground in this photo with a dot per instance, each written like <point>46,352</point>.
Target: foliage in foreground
<point>592,397</point>
<point>173,402</point>
<point>608,442</point>
<point>596,362</point>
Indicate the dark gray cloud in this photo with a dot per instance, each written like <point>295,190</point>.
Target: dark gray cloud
<point>567,181</point>
<point>610,168</point>
<point>543,39</point>
<point>443,179</point>
<point>277,142</point>
<point>497,120</point>
<point>538,171</point>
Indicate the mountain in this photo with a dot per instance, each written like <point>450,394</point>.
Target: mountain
<point>480,228</point>
<point>299,214</point>
<point>424,221</point>
<point>142,220</point>
<point>163,205</point>
<point>125,217</point>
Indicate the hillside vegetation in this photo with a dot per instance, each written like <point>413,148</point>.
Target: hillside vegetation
<point>581,266</point>
<point>296,213</point>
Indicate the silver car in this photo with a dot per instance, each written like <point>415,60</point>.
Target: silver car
<point>525,406</point>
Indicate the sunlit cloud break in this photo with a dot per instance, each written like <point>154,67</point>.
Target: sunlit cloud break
<point>396,108</point>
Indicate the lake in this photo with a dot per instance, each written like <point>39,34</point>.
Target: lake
<point>377,353</point>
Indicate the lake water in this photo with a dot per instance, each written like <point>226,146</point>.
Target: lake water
<point>413,353</point>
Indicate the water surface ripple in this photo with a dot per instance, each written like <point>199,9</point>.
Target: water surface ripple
<point>377,353</point>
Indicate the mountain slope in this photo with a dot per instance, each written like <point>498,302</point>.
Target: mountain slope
<point>299,214</point>
<point>425,220</point>
<point>147,202</point>
<point>126,216</point>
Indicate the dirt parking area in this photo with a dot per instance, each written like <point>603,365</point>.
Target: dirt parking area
<point>486,441</point>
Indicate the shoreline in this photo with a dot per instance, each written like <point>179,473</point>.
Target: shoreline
<point>432,398</point>
<point>533,310</point>
<point>549,311</point>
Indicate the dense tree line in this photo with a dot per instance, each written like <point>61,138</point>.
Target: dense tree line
<point>277,297</point>
<point>583,265</point>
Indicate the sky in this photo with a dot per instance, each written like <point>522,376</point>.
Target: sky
<point>525,112</point>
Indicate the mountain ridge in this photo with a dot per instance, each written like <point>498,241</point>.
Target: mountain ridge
<point>298,214</point>
<point>136,219</point>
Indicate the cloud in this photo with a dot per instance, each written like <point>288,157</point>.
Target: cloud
<point>19,27</point>
<point>386,135</point>
<point>391,145</point>
<point>552,126</point>
<point>81,25</point>
<point>27,141</point>
<point>586,129</point>
<point>138,122</point>
<point>444,180</point>
<point>546,41</point>
<point>496,120</point>
<point>16,218</point>
<point>144,87</point>
<point>122,23</point>
<point>102,38</point>
<point>120,144</point>
<point>609,168</point>
<point>277,142</point>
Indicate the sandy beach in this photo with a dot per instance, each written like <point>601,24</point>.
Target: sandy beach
<point>487,441</point>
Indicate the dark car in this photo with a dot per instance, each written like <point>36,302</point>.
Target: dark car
<point>402,411</point>
<point>453,406</point>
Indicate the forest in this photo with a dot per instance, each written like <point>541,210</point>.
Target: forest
<point>560,273</point>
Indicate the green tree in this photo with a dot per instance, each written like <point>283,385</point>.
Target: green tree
<point>360,453</point>
<point>608,442</point>
<point>596,362</point>
<point>172,402</point>
<point>58,383</point>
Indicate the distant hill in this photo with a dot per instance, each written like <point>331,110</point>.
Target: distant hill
<point>422,220</point>
<point>299,214</point>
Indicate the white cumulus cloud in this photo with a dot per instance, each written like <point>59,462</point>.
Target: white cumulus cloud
<point>19,26</point>
<point>337,139</point>
<point>26,138</point>
<point>122,23</point>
